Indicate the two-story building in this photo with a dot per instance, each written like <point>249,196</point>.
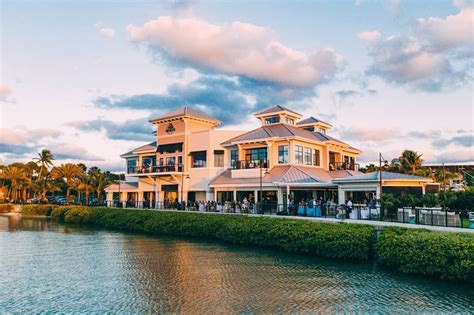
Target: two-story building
<point>286,157</point>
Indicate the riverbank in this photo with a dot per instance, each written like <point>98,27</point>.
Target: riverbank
<point>443,255</point>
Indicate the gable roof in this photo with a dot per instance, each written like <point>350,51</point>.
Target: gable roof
<point>375,176</point>
<point>283,174</point>
<point>276,109</point>
<point>144,148</point>
<point>279,130</point>
<point>185,111</point>
<point>311,120</point>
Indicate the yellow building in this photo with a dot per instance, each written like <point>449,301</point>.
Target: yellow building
<point>286,158</point>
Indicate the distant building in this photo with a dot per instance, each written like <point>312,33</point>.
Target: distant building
<point>463,171</point>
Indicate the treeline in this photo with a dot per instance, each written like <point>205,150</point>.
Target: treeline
<point>38,177</point>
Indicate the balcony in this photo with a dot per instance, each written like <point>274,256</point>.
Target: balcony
<point>338,166</point>
<point>249,164</point>
<point>155,169</point>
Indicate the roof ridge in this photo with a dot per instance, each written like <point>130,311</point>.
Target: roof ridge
<point>297,166</point>
<point>287,171</point>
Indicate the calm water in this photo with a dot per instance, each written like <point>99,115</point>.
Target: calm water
<point>46,266</point>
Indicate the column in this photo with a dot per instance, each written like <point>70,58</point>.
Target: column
<point>123,199</point>
<point>235,195</point>
<point>215,195</point>
<point>140,199</point>
<point>287,194</point>
<point>110,199</point>
<point>257,196</point>
<point>341,195</point>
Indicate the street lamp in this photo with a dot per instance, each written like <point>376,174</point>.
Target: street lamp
<point>262,162</point>
<point>182,184</point>
<point>385,164</point>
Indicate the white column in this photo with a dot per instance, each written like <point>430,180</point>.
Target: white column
<point>287,194</point>
<point>157,195</point>
<point>257,195</point>
<point>215,195</point>
<point>341,195</point>
<point>235,195</point>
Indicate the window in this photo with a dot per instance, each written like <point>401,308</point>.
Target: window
<point>234,157</point>
<point>199,159</point>
<point>170,160</point>
<point>148,161</point>
<point>299,154</point>
<point>272,120</point>
<point>283,154</point>
<point>308,158</point>
<point>317,158</point>
<point>321,130</point>
<point>310,128</point>
<point>131,166</point>
<point>289,121</point>
<point>161,162</point>
<point>218,158</point>
<point>180,163</point>
<point>257,154</point>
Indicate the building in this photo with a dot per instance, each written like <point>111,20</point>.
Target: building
<point>287,157</point>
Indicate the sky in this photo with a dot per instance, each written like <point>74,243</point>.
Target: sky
<point>81,78</point>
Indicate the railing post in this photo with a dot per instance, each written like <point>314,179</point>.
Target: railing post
<point>431,216</point>
<point>446,217</point>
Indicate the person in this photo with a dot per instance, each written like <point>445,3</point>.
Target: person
<point>348,207</point>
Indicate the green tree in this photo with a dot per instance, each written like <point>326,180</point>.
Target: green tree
<point>15,175</point>
<point>410,161</point>
<point>69,173</point>
<point>45,160</point>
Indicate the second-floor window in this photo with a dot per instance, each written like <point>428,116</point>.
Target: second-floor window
<point>148,161</point>
<point>131,166</point>
<point>256,154</point>
<point>199,159</point>
<point>218,158</point>
<point>283,154</point>
<point>317,158</point>
<point>289,121</point>
<point>234,157</point>
<point>308,158</point>
<point>299,154</point>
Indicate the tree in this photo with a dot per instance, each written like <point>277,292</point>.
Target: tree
<point>410,161</point>
<point>69,173</point>
<point>45,160</point>
<point>15,175</point>
<point>85,186</point>
<point>98,180</point>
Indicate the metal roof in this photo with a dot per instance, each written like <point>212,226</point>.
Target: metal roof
<point>147,147</point>
<point>311,120</point>
<point>276,109</point>
<point>282,174</point>
<point>185,111</point>
<point>374,176</point>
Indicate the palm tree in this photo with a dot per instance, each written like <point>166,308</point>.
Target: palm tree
<point>410,161</point>
<point>45,160</point>
<point>85,186</point>
<point>45,186</point>
<point>99,180</point>
<point>69,173</point>
<point>15,175</point>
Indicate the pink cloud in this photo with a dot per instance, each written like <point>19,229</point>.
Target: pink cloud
<point>237,49</point>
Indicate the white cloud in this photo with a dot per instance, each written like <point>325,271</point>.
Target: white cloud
<point>393,5</point>
<point>237,48</point>
<point>369,36</point>
<point>107,31</point>
<point>363,133</point>
<point>65,151</point>
<point>461,4</point>
<point>456,156</point>
<point>451,32</point>
<point>5,89</point>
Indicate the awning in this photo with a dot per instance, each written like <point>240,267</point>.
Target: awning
<point>170,148</point>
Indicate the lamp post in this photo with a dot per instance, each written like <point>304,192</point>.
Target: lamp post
<point>262,162</point>
<point>381,159</point>
<point>182,185</point>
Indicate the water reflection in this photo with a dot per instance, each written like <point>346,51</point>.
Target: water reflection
<point>78,270</point>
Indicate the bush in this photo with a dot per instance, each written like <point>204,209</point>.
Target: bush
<point>6,207</point>
<point>344,241</point>
<point>446,255</point>
<point>38,209</point>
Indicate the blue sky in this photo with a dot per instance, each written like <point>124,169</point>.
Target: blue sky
<point>82,77</point>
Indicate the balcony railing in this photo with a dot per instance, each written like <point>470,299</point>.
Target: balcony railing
<point>343,166</point>
<point>249,164</point>
<point>155,169</point>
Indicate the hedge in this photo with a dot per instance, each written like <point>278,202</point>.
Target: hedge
<point>37,209</point>
<point>6,207</point>
<point>342,241</point>
<point>417,251</point>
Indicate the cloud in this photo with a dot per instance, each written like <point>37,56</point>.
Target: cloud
<point>237,48</point>
<point>136,130</point>
<point>461,4</point>
<point>16,148</point>
<point>451,32</point>
<point>438,58</point>
<point>362,133</point>
<point>5,94</point>
<point>456,156</point>
<point>22,136</point>
<point>107,31</point>
<point>464,141</point>
<point>65,151</point>
<point>214,95</point>
<point>369,36</point>
<point>392,5</point>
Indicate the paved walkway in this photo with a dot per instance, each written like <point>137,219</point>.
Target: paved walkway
<point>376,224</point>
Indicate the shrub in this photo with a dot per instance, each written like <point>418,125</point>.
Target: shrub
<point>446,255</point>
<point>58,213</point>
<point>77,214</point>
<point>6,207</point>
<point>38,209</point>
<point>344,241</point>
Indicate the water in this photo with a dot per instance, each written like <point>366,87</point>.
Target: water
<point>51,267</point>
